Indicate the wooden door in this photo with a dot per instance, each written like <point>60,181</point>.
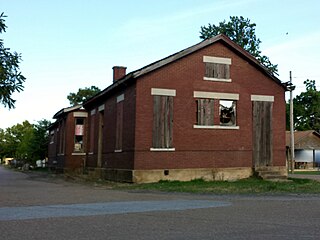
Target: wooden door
<point>262,134</point>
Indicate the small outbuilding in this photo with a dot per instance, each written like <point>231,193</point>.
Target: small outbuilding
<point>306,148</point>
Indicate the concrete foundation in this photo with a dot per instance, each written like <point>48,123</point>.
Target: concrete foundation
<point>214,174</point>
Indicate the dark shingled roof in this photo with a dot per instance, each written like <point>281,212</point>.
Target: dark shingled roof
<point>174,57</point>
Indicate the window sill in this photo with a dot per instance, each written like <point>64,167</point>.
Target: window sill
<point>118,151</point>
<point>217,79</point>
<point>162,149</point>
<point>216,127</point>
<point>78,154</point>
<point>90,153</point>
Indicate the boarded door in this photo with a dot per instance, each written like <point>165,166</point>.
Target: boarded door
<point>262,133</point>
<point>100,139</point>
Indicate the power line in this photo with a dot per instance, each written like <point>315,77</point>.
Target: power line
<point>308,77</point>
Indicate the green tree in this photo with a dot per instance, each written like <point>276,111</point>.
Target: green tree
<point>25,148</point>
<point>306,108</point>
<point>41,139</point>
<point>11,79</point>
<point>82,95</point>
<point>242,32</point>
<point>25,141</point>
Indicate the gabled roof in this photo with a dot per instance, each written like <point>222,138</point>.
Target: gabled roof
<point>306,140</point>
<point>176,56</point>
<point>66,110</point>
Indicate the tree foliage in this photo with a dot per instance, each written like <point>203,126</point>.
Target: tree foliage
<point>242,32</point>
<point>306,108</point>
<point>82,95</point>
<point>25,141</point>
<point>11,79</point>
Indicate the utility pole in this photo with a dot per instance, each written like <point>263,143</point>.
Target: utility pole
<point>291,125</point>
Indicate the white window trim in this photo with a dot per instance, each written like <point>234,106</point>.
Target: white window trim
<point>80,114</point>
<point>120,98</point>
<point>162,149</point>
<point>78,154</point>
<point>93,112</point>
<point>216,127</point>
<point>101,108</point>
<point>217,79</point>
<point>216,95</point>
<point>217,60</point>
<point>163,92</point>
<point>262,98</point>
<point>118,150</point>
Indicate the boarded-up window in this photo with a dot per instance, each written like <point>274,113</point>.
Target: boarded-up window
<point>92,135</point>
<point>62,136</point>
<point>51,137</point>
<point>227,113</point>
<point>217,70</point>
<point>119,125</point>
<point>162,121</point>
<point>205,112</point>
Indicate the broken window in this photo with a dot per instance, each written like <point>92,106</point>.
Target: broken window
<point>205,112</point>
<point>227,113</point>
<point>78,135</point>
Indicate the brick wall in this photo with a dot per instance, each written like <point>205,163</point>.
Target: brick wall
<point>206,148</point>
<point>110,158</point>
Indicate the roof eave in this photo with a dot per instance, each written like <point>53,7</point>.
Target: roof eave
<point>66,110</point>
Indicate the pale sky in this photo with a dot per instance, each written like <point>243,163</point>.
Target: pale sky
<point>72,44</point>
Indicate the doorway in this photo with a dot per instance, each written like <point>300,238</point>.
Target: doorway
<point>262,134</point>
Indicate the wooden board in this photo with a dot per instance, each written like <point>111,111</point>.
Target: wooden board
<point>262,134</point>
<point>162,122</point>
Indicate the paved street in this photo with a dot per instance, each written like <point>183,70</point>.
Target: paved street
<point>45,208</point>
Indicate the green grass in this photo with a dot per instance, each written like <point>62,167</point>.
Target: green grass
<point>245,186</point>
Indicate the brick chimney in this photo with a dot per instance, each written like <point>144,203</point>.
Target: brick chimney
<point>118,72</point>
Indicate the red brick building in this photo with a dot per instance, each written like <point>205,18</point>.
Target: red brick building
<point>67,141</point>
<point>210,111</point>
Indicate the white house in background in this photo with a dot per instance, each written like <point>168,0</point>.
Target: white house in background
<point>307,148</point>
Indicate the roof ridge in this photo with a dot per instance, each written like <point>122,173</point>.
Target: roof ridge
<point>180,54</point>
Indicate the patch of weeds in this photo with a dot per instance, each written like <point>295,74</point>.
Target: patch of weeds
<point>244,186</point>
